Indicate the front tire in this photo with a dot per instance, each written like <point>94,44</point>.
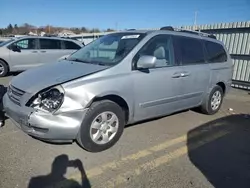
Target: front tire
<point>3,68</point>
<point>102,126</point>
<point>214,101</point>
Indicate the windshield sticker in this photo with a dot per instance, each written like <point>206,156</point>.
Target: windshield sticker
<point>130,37</point>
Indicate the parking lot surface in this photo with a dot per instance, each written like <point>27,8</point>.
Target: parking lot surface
<point>187,149</point>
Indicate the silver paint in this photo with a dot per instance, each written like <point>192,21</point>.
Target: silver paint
<point>147,94</point>
<point>30,58</point>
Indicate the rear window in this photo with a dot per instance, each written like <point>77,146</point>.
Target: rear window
<point>215,52</point>
<point>71,45</point>
<point>190,50</point>
<point>50,44</point>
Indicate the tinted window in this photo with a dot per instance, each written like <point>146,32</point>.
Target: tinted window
<point>71,45</point>
<point>26,44</point>
<point>50,44</point>
<point>160,47</point>
<point>190,50</point>
<point>215,52</point>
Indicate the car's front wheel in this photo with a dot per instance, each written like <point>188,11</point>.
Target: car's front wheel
<point>3,68</point>
<point>102,126</point>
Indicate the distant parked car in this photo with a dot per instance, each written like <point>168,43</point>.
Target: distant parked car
<point>19,54</point>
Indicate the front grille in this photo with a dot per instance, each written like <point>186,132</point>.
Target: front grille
<point>15,94</point>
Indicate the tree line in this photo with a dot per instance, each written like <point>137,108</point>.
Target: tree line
<point>24,29</point>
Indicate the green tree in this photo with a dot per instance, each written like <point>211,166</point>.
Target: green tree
<point>15,30</point>
<point>9,29</point>
<point>84,30</point>
<point>109,30</point>
<point>95,30</point>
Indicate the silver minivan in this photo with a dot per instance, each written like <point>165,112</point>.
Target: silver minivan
<point>119,79</point>
<point>19,54</point>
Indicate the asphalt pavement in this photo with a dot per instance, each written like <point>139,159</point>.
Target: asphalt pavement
<point>187,149</point>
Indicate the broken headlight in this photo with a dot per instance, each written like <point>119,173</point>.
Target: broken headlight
<point>49,100</point>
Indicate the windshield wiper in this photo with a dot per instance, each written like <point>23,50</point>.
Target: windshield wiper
<point>99,63</point>
<point>78,60</point>
<point>89,62</point>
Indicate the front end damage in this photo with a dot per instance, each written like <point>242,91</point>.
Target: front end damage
<point>56,125</point>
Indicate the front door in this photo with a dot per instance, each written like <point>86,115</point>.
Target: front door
<point>157,90</point>
<point>27,57</point>
<point>195,74</point>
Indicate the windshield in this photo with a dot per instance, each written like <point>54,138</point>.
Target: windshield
<point>107,50</point>
<point>6,42</point>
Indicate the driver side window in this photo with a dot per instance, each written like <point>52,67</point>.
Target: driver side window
<point>160,47</point>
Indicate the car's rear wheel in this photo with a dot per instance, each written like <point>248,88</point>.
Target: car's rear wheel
<point>102,126</point>
<point>3,68</point>
<point>214,101</point>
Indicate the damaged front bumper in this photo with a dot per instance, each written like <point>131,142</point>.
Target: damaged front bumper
<point>61,127</point>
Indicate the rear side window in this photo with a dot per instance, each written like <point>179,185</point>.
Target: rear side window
<point>50,44</point>
<point>71,45</point>
<point>189,50</point>
<point>215,52</point>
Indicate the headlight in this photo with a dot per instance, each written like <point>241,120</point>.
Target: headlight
<point>49,100</point>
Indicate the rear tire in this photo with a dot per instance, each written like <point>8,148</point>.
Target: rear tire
<point>4,69</point>
<point>213,102</point>
<point>102,126</point>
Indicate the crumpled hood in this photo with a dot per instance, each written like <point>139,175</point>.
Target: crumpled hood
<point>36,79</point>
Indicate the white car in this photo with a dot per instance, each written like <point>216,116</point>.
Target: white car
<point>19,54</point>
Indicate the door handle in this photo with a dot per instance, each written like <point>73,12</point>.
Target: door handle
<point>34,51</point>
<point>176,75</point>
<point>43,51</point>
<point>185,74</point>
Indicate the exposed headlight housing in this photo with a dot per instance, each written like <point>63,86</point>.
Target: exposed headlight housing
<point>49,100</point>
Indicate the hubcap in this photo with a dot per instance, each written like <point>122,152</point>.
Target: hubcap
<point>216,100</point>
<point>1,69</point>
<point>104,127</point>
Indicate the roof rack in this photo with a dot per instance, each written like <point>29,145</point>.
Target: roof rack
<point>198,33</point>
<point>170,28</point>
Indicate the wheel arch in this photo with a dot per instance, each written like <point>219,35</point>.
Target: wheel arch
<point>1,59</point>
<point>118,100</point>
<point>223,86</point>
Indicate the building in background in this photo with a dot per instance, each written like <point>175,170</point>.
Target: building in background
<point>64,33</point>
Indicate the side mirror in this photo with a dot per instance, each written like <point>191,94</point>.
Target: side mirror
<point>146,62</point>
<point>15,48</point>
